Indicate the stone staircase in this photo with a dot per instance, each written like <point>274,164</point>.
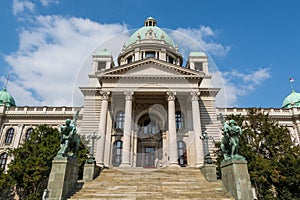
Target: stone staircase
<point>138,183</point>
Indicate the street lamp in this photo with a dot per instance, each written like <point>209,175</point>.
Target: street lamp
<point>87,139</point>
<point>205,137</point>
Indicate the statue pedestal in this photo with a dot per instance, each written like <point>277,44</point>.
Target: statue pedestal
<point>236,179</point>
<point>90,171</point>
<point>209,171</point>
<point>63,177</point>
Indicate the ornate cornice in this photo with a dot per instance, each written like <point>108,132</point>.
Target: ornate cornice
<point>184,73</point>
<point>209,91</point>
<point>90,91</point>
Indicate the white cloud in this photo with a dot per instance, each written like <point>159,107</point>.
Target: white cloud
<point>51,53</point>
<point>199,39</point>
<point>54,58</point>
<point>234,84</point>
<point>47,2</point>
<point>20,6</point>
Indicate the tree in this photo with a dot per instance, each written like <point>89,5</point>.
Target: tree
<point>32,161</point>
<point>6,186</point>
<point>31,165</point>
<point>273,158</point>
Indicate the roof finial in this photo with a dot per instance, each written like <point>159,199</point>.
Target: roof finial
<point>6,82</point>
<point>291,83</point>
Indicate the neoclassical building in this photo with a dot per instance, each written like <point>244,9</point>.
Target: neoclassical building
<point>148,109</point>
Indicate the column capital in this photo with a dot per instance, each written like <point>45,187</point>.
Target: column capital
<point>171,96</point>
<point>128,96</point>
<point>105,95</point>
<point>195,95</point>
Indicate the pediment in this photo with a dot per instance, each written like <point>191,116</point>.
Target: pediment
<point>151,68</point>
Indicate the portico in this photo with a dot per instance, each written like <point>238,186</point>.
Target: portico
<point>152,110</point>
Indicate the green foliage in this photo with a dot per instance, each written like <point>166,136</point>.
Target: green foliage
<point>6,186</point>
<point>31,165</point>
<point>32,162</point>
<point>273,158</point>
<point>82,156</point>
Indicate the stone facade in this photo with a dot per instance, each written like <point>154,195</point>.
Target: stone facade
<point>147,111</point>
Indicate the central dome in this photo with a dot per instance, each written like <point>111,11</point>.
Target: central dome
<point>147,42</point>
<point>151,32</point>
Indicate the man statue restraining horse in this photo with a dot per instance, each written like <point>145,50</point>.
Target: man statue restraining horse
<point>69,140</point>
<point>230,141</point>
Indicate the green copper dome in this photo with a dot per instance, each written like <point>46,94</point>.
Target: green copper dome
<point>150,31</point>
<point>6,99</point>
<point>292,100</point>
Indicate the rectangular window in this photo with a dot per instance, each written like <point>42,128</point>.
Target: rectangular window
<point>129,59</point>
<point>150,54</point>
<point>199,66</point>
<point>171,60</point>
<point>101,65</point>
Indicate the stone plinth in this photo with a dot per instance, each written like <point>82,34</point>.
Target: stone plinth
<point>209,172</point>
<point>90,171</point>
<point>63,177</point>
<point>236,179</point>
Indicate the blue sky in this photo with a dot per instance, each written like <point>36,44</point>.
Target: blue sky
<point>254,44</point>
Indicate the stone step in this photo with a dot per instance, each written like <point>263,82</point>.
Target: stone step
<point>138,183</point>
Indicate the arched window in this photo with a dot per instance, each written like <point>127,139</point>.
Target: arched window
<point>120,118</point>
<point>9,136</point>
<point>182,157</point>
<point>3,160</point>
<point>28,133</point>
<point>117,153</point>
<point>179,120</point>
<point>149,126</point>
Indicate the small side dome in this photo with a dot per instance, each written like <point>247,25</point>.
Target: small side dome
<point>6,99</point>
<point>104,52</point>
<point>292,100</point>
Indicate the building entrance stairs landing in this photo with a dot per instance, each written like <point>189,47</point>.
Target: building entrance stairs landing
<point>139,183</point>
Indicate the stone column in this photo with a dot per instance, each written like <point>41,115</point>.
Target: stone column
<point>199,161</point>
<point>102,129</point>
<point>173,154</point>
<point>127,130</point>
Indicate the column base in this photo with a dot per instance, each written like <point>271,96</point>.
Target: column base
<point>174,165</point>
<point>199,165</point>
<point>125,165</point>
<point>100,164</point>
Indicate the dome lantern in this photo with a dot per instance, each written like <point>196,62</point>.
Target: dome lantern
<point>150,22</point>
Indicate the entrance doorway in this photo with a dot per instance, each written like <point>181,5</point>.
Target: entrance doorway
<point>149,159</point>
<point>149,142</point>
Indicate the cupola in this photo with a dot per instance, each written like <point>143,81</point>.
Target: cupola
<point>150,22</point>
<point>102,60</point>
